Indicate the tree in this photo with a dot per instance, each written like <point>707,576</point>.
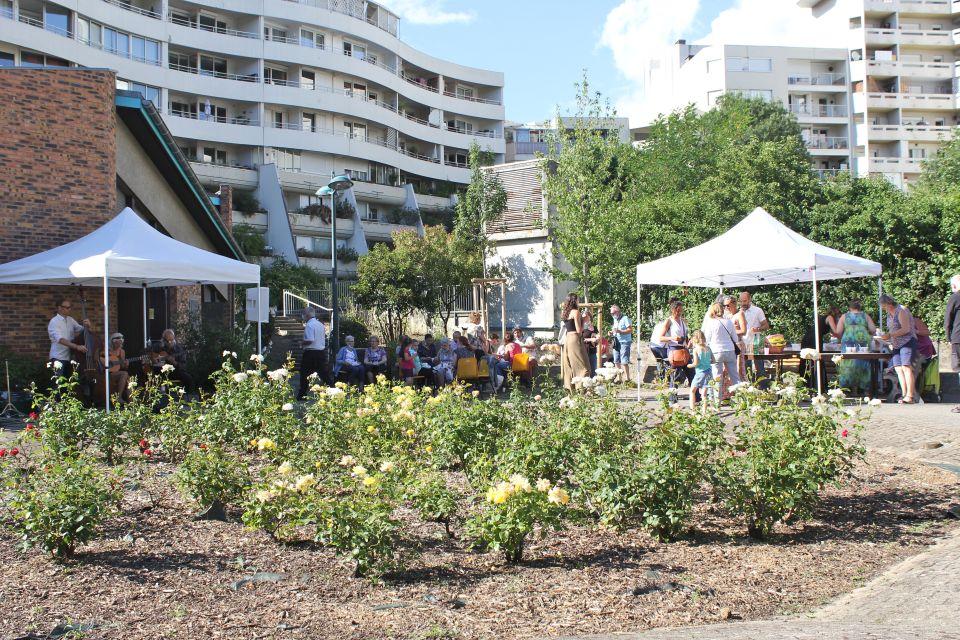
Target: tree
<point>587,174</point>
<point>389,283</point>
<point>484,200</point>
<point>448,262</point>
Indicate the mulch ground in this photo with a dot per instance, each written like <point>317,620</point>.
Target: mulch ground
<point>158,573</point>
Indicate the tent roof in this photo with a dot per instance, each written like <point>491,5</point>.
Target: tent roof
<point>759,250</point>
<point>133,254</point>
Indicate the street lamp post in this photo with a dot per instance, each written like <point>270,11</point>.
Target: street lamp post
<point>338,183</point>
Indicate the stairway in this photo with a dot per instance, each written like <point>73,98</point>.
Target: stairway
<point>287,338</point>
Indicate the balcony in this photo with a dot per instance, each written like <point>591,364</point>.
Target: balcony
<point>819,80</point>
<point>901,35</point>
<point>383,20</point>
<point>129,6</point>
<point>193,24</point>
<point>933,70</point>
<point>938,101</point>
<point>918,7</point>
<point>915,132</point>
<point>825,174</point>
<point>808,111</point>
<point>896,165</point>
<point>828,143</point>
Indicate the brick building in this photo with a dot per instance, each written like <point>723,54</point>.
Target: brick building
<point>76,151</point>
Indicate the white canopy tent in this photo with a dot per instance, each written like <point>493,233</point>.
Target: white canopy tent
<point>126,252</point>
<point>758,251</point>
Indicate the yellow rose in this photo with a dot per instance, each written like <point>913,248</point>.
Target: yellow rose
<point>428,449</point>
<point>359,471</point>
<point>387,467</point>
<point>520,482</point>
<point>558,496</point>
<point>543,484</point>
<point>370,481</point>
<point>285,469</point>
<point>410,432</point>
<point>371,429</point>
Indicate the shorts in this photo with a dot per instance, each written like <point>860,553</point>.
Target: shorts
<point>903,357</point>
<point>955,356</point>
<point>621,354</point>
<point>701,380</point>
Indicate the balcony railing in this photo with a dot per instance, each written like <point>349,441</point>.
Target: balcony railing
<point>452,94</point>
<point>531,148</point>
<point>831,79</point>
<point>820,110</point>
<point>825,142</point>
<point>209,117</point>
<point>135,9</point>
<point>193,24</point>
<point>829,173</point>
<point>352,9</point>
<point>250,77</point>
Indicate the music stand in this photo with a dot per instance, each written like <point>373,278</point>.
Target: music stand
<point>9,410</point>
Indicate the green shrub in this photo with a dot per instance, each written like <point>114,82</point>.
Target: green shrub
<point>58,502</point>
<point>513,509</point>
<point>212,476</point>
<point>281,502</point>
<point>435,501</point>
<point>784,454</point>
<point>66,424</point>
<point>245,202</point>
<point>361,527</point>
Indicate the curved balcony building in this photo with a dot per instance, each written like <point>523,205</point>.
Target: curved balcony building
<point>314,87</point>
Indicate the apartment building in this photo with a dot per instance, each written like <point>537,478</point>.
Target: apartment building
<point>903,55</point>
<point>812,83</point>
<point>527,141</point>
<point>277,96</point>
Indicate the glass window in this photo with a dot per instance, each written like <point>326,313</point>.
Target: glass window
<point>308,122</point>
<point>759,64</point>
<point>56,19</point>
<point>214,155</point>
<point>211,66</point>
<point>6,8</point>
<point>307,79</point>
<point>116,42</point>
<point>6,59</point>
<point>179,60</point>
<point>30,59</point>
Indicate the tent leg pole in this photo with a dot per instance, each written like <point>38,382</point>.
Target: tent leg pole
<point>259,328</point>
<point>146,334</point>
<point>636,319</point>
<point>816,329</point>
<point>106,341</point>
<point>879,306</point>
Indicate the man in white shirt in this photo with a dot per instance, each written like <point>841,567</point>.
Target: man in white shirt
<point>756,323</point>
<point>314,358</point>
<point>63,330</point>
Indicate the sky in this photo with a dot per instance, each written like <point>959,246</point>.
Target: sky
<point>543,46</point>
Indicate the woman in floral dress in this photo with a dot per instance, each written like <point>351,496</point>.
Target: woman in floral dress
<point>856,329</point>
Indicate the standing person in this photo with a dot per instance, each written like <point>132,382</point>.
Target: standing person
<point>902,336</point>
<point>731,311</point>
<point>472,326</point>
<point>755,321</point>
<point>314,358</point>
<point>63,330</point>
<point>951,326</point>
<point>674,335</point>
<point>701,365</point>
<point>721,337</point>
<point>176,355</point>
<point>622,330</point>
<point>374,360</point>
<point>856,329</point>
<point>590,340</point>
<point>574,354</point>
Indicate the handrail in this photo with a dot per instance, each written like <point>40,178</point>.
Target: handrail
<point>190,115</point>
<point>453,94</point>
<point>126,6</point>
<point>291,300</point>
<point>253,77</point>
<point>225,31</point>
<point>66,33</point>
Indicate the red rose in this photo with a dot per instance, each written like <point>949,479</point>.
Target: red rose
<point>203,446</point>
<point>14,451</point>
<point>144,444</point>
<point>147,452</point>
<point>3,452</point>
<point>843,433</point>
<point>33,415</point>
<point>30,427</point>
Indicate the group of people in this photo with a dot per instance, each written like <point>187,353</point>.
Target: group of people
<point>430,360</point>
<point>582,343</point>
<point>74,342</point>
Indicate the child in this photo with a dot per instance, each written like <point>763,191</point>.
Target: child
<point>702,359</point>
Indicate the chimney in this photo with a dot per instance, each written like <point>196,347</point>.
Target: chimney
<point>683,50</point>
<point>226,206</point>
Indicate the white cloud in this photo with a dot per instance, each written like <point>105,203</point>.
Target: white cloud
<point>641,35</point>
<point>429,12</point>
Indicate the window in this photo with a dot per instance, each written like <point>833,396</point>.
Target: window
<point>356,130</point>
<point>181,61</point>
<point>308,121</point>
<point>465,92</point>
<point>308,79</point>
<point>116,42</point>
<point>278,119</point>
<point>763,94</point>
<point>750,64</point>
<point>56,19</point>
<point>288,159</point>
<point>211,66</point>
<point>275,33</point>
<point>146,50</point>
<point>457,159</point>
<point>89,32</point>
<point>6,8</point>
<point>311,39</point>
<point>214,155</point>
<point>181,18</point>
<point>354,50</point>
<point>150,93</point>
<point>372,213</point>
<point>460,126</point>
<point>211,23</point>
<point>350,87</point>
<point>274,76</point>
<point>6,59</point>
<point>30,59</point>
<point>183,109</point>
<point>212,112</point>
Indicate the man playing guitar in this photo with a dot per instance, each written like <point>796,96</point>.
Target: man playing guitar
<point>63,330</point>
<point>172,353</point>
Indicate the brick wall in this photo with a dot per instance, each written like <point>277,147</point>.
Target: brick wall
<point>58,183</point>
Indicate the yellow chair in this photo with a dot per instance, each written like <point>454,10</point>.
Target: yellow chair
<point>520,363</point>
<point>467,370</point>
<point>483,371</point>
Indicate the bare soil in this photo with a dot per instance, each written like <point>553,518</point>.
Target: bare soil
<point>159,573</point>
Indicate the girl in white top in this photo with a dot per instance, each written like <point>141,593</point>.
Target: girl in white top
<point>721,336</point>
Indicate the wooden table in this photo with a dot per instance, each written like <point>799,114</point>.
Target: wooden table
<point>777,359</point>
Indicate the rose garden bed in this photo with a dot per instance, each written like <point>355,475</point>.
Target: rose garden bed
<point>393,513</point>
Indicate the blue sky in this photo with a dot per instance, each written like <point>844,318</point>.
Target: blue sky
<point>543,45</point>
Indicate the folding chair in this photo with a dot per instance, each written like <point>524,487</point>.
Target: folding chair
<point>520,367</point>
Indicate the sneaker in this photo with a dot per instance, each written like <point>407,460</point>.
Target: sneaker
<point>956,409</point>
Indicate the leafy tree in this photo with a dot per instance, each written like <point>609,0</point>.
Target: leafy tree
<point>484,200</point>
<point>390,283</point>
<point>448,262</point>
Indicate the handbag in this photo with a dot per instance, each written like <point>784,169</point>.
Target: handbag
<point>679,357</point>
<point>736,346</point>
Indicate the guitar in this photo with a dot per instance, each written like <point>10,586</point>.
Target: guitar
<point>116,365</point>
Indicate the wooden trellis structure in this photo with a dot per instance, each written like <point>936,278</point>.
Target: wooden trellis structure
<point>481,288</point>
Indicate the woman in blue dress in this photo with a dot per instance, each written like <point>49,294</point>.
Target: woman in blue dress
<point>856,329</point>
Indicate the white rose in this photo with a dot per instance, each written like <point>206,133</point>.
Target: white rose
<point>57,365</point>
<point>876,402</point>
<point>167,368</point>
<point>278,374</point>
<point>333,392</point>
<point>239,377</point>
<point>312,375</point>
<point>285,469</point>
<point>837,359</point>
<point>256,358</point>
<point>287,407</point>
<point>600,390</point>
<point>225,353</point>
<point>132,384</point>
<point>347,461</point>
<point>387,467</point>
<point>836,394</point>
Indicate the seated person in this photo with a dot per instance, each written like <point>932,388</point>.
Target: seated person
<point>172,352</point>
<point>409,363</point>
<point>500,363</point>
<point>375,359</point>
<point>428,352</point>
<point>925,346</point>
<point>463,348</point>
<point>528,346</point>
<point>348,363</point>
<point>446,363</point>
<point>117,366</point>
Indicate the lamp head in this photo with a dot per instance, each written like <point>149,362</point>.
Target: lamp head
<point>324,191</point>
<point>340,183</point>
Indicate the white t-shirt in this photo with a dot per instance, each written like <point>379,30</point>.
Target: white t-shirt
<point>755,318</point>
<point>655,336</point>
<point>314,335</point>
<point>720,334</point>
<point>61,327</point>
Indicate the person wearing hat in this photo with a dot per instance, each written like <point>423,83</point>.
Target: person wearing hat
<point>117,364</point>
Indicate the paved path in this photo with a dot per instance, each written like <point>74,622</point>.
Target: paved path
<point>917,599</point>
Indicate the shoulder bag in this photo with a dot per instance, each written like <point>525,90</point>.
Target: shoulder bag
<point>736,346</point>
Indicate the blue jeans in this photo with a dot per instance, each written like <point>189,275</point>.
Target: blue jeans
<point>621,355</point>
